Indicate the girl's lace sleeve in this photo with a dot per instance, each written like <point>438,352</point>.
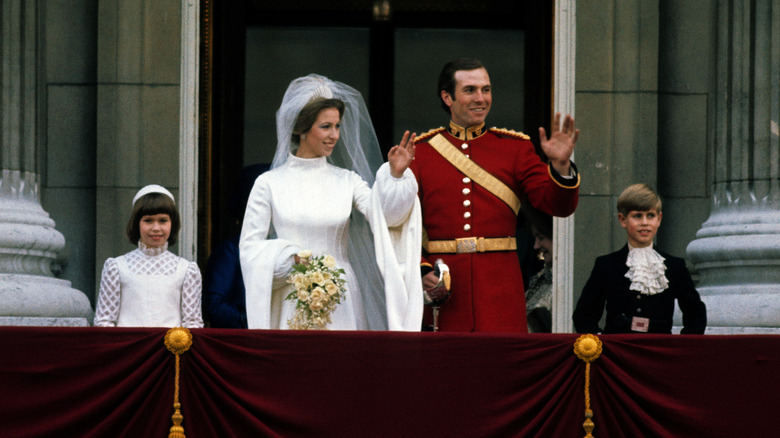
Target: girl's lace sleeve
<point>107,309</point>
<point>191,298</point>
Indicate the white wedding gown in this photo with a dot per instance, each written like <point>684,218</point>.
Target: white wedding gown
<point>307,204</point>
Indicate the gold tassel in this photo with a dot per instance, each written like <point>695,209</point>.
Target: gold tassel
<point>588,348</point>
<point>177,340</point>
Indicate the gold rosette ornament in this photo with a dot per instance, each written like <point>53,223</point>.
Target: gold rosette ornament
<point>177,340</point>
<point>588,348</point>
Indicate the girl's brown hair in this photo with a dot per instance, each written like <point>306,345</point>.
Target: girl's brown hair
<point>151,204</point>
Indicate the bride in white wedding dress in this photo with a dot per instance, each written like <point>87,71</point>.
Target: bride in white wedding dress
<point>318,197</point>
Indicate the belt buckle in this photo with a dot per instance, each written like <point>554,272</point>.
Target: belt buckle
<point>466,245</point>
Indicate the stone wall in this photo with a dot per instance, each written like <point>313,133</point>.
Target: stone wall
<point>645,77</point>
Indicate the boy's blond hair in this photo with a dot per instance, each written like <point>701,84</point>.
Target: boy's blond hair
<point>638,197</point>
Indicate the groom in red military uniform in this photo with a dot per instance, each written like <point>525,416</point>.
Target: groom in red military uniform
<point>471,180</point>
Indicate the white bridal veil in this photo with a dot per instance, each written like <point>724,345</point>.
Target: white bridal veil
<point>358,147</point>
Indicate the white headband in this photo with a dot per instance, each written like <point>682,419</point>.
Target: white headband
<point>152,188</point>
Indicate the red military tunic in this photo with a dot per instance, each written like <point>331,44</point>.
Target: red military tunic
<point>487,288</point>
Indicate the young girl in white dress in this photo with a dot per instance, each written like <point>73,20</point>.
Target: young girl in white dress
<point>150,286</point>
<point>318,196</point>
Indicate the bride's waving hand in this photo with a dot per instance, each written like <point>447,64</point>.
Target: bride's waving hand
<point>401,155</point>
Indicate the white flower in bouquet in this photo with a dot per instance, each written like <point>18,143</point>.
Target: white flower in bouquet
<point>331,288</point>
<point>317,277</point>
<point>318,287</point>
<point>317,295</point>
<point>314,307</point>
<point>329,261</point>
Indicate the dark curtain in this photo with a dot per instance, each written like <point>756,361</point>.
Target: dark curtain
<point>92,382</point>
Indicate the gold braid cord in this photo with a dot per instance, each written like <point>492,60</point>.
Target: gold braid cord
<point>177,340</point>
<point>588,348</point>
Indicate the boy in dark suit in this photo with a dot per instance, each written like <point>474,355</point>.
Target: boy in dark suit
<point>637,284</point>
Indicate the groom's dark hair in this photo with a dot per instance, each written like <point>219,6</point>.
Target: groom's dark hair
<point>447,77</point>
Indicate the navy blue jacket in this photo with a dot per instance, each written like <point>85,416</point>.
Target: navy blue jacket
<point>224,296</point>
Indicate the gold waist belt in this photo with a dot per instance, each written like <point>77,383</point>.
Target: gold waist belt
<point>471,244</point>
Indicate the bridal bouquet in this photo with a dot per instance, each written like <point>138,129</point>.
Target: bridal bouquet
<point>318,289</point>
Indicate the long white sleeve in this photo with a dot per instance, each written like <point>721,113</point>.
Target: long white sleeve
<point>191,295</point>
<point>107,309</point>
<point>396,195</point>
<point>264,262</point>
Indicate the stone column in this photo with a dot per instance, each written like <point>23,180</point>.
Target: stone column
<point>29,243</point>
<point>737,250</point>
<point>563,228</point>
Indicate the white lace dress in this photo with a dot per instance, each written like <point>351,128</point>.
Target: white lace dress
<point>307,203</point>
<point>149,287</point>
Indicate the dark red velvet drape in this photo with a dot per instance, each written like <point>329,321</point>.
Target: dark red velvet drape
<point>92,382</point>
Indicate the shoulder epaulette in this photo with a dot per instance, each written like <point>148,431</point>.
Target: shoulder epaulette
<point>509,133</point>
<point>426,135</point>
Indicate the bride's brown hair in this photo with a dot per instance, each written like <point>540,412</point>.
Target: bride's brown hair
<point>309,113</point>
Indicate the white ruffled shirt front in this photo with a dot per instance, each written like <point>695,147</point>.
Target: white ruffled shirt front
<point>646,270</point>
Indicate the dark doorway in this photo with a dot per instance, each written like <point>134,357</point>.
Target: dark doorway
<point>252,49</point>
